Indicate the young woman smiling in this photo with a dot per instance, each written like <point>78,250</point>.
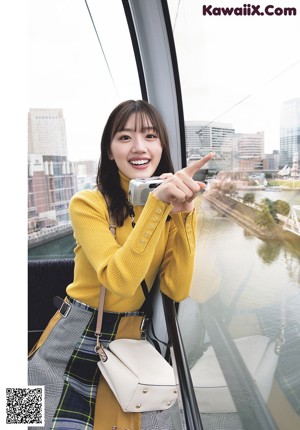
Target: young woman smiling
<point>151,240</point>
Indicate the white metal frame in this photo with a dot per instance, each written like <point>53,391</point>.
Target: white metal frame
<point>292,222</point>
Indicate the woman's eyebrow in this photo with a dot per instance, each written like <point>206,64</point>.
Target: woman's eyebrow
<point>143,129</point>
<point>127,129</point>
<point>149,128</point>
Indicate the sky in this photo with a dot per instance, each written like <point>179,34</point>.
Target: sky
<point>238,69</point>
<point>232,69</point>
<point>69,70</point>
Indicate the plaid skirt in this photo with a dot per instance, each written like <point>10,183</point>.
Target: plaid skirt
<point>66,364</point>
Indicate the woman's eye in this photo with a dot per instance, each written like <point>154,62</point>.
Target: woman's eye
<point>151,136</point>
<point>124,137</point>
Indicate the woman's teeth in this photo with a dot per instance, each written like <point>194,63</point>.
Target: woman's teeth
<point>139,162</point>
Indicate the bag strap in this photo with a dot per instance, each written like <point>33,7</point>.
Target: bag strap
<point>146,305</point>
<point>112,227</point>
<point>100,310</point>
<point>146,308</point>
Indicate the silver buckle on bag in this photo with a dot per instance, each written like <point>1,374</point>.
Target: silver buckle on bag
<point>144,324</point>
<point>99,349</point>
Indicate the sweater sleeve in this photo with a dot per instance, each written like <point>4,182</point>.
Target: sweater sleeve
<point>120,268</point>
<point>178,263</point>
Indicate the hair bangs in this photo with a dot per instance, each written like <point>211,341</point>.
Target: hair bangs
<point>144,119</point>
<point>108,181</point>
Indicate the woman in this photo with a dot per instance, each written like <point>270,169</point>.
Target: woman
<point>155,238</point>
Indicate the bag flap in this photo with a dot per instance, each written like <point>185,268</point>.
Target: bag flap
<point>144,360</point>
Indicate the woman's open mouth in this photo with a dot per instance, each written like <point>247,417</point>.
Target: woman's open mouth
<point>139,163</point>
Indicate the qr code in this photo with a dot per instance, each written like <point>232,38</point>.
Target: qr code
<point>25,406</point>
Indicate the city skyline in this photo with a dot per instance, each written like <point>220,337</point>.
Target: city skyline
<point>202,124</point>
<point>53,178</point>
<point>268,148</point>
<point>221,79</point>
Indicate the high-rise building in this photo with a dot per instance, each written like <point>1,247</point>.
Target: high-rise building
<point>250,147</point>
<point>203,137</point>
<point>271,161</point>
<point>192,137</point>
<point>289,131</point>
<point>47,132</point>
<point>86,173</point>
<point>51,180</point>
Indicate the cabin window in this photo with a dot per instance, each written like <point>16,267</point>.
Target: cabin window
<point>241,100</point>
<point>81,65</point>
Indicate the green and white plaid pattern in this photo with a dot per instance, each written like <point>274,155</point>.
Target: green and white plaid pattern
<point>76,407</point>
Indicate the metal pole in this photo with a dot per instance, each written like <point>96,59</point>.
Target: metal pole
<point>189,402</point>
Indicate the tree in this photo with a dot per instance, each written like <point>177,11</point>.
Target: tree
<point>249,198</point>
<point>271,206</point>
<point>265,219</point>
<point>229,188</point>
<point>282,207</point>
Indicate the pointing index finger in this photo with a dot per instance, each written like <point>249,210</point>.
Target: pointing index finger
<point>192,168</point>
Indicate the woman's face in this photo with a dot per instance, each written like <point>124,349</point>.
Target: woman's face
<point>136,150</point>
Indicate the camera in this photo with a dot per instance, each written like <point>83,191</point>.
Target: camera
<point>139,189</point>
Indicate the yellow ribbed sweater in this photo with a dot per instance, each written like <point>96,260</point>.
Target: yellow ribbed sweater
<point>121,264</point>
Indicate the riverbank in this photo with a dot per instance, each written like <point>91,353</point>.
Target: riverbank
<point>245,215</point>
<point>49,234</point>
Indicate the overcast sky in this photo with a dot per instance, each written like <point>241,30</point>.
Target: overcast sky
<point>232,69</point>
<point>68,70</point>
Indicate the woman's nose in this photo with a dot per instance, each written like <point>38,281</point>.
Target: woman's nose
<point>138,145</point>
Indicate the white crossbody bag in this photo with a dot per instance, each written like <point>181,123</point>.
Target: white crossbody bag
<point>138,375</point>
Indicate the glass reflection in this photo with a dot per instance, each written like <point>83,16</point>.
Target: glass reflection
<point>243,104</point>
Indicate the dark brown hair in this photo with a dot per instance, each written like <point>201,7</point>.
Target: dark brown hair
<point>108,180</point>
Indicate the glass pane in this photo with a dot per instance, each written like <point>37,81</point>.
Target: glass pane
<point>81,65</point>
<point>241,99</point>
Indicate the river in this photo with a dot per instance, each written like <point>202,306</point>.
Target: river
<point>245,270</point>
<point>235,263</point>
<point>255,287</point>
<point>57,248</point>
<point>227,258</point>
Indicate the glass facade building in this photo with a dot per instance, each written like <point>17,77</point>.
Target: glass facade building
<point>289,131</point>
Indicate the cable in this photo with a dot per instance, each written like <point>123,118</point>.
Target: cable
<point>175,21</point>
<point>250,95</point>
<point>101,48</point>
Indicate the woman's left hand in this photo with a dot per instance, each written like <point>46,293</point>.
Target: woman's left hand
<point>180,189</point>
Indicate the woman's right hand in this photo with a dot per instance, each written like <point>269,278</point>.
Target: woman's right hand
<point>180,189</point>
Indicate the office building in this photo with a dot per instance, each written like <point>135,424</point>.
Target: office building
<point>86,173</point>
<point>271,161</point>
<point>289,132</point>
<point>203,137</point>
<point>250,148</point>
<point>51,180</point>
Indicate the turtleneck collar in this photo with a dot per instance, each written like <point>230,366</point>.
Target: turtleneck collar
<point>124,181</point>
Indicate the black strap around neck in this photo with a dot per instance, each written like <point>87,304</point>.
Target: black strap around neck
<point>148,310</point>
<point>147,305</point>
